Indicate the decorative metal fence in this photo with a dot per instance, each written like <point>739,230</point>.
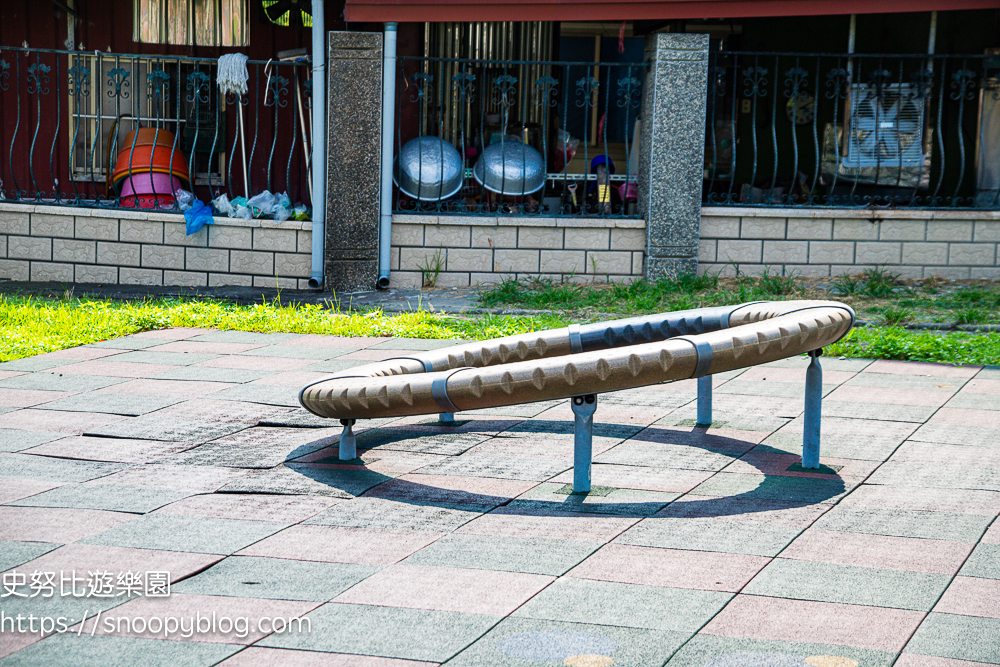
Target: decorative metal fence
<point>853,130</point>
<point>517,137</point>
<point>125,130</point>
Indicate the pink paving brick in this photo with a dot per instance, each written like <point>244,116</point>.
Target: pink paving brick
<point>965,417</point>
<point>554,447</point>
<point>335,544</point>
<point>447,589</point>
<point>720,439</point>
<point>879,551</point>
<point>775,463</point>
<point>176,388</point>
<point>857,394</point>
<point>992,535</point>
<point>91,557</point>
<point>258,656</point>
<point>196,347</point>
<point>175,333</point>
<point>796,375</point>
<point>292,378</point>
<point>971,596</point>
<point>917,660</point>
<point>670,480</point>
<point>315,340</point>
<point>921,368</point>
<point>753,617</point>
<point>553,524</point>
<point>636,415</point>
<point>991,387</point>
<point>58,421</point>
<point>961,501</point>
<point>386,462</point>
<point>15,489</point>
<point>249,507</point>
<point>754,510</point>
<point>673,568</point>
<point>82,353</point>
<point>768,406</point>
<point>120,450</point>
<point>11,642</point>
<point>374,355</point>
<point>11,374</point>
<point>56,525</point>
<point>933,452</point>
<point>249,363</point>
<point>120,369</point>
<point>196,479</point>
<point>187,609</point>
<point>451,489</point>
<point>26,398</point>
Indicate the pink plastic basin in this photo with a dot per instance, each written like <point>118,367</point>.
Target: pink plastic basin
<point>149,190</point>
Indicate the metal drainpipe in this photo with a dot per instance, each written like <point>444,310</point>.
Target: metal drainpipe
<point>388,122</point>
<point>318,144</point>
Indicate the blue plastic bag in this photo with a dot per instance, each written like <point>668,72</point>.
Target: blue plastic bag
<point>197,216</point>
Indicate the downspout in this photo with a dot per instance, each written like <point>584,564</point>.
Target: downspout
<point>388,122</point>
<point>318,144</point>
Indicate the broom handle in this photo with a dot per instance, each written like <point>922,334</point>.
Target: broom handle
<point>305,142</point>
<point>243,145</point>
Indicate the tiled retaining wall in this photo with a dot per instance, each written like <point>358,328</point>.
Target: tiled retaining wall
<point>484,250</point>
<point>914,244</point>
<point>79,245</point>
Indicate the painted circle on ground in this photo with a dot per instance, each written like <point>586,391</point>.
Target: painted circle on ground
<point>589,661</point>
<point>831,661</point>
<point>557,645</point>
<point>757,659</point>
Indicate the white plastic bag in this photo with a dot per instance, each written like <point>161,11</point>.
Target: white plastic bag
<point>185,199</point>
<point>224,206</point>
<point>282,207</point>
<point>261,205</point>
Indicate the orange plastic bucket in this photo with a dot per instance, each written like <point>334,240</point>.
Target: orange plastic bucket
<point>150,159</point>
<point>148,136</point>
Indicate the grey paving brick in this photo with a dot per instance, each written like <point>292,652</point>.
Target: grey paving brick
<point>115,404</point>
<point>13,554</point>
<point>629,605</point>
<point>165,358</point>
<point>297,480</point>
<point>529,642</point>
<point>390,632</point>
<point>417,344</point>
<point>335,365</point>
<point>715,651</point>
<point>32,364</point>
<point>275,578</point>
<point>534,555</point>
<point>473,465</point>
<point>710,534</point>
<point>550,496</point>
<point>957,637</point>
<point>247,337</point>
<point>636,452</point>
<point>29,466</point>
<point>754,388</point>
<point>848,584</point>
<point>939,475</point>
<point>952,434</point>
<point>173,429</point>
<point>300,418</point>
<point>68,650</point>
<point>989,373</point>
<point>828,363</point>
<point>127,343</point>
<point>525,410</point>
<point>113,497</point>
<point>228,454</point>
<point>184,533</point>
<point>898,413</point>
<point>58,382</point>
<point>15,440</point>
<point>385,514</point>
<point>261,393</point>
<point>208,374</point>
<point>920,382</point>
<point>297,352</point>
<point>968,401</point>
<point>774,487</point>
<point>686,416</point>
<point>906,523</point>
<point>422,440</point>
<point>984,562</point>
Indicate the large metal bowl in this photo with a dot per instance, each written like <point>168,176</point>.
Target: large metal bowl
<point>510,168</point>
<point>428,169</point>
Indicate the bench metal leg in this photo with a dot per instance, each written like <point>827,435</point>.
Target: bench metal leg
<point>583,440</point>
<point>705,401</point>
<point>348,444</point>
<point>446,417</point>
<point>813,411</point>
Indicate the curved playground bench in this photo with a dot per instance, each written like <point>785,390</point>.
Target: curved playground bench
<point>580,362</point>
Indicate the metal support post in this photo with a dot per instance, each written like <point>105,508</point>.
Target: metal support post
<point>446,417</point>
<point>583,440</point>
<point>705,401</point>
<point>348,444</point>
<point>813,411</point>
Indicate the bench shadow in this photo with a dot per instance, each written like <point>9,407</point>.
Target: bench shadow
<point>773,492</point>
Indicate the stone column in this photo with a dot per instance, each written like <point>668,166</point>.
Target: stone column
<point>672,151</point>
<point>354,140</point>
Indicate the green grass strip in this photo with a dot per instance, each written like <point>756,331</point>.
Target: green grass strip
<point>903,344</point>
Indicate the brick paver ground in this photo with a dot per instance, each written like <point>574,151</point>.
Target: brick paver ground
<point>183,452</point>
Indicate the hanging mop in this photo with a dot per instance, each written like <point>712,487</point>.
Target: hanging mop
<point>232,78</point>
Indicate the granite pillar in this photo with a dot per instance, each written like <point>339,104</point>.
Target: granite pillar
<point>672,151</point>
<point>354,127</point>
